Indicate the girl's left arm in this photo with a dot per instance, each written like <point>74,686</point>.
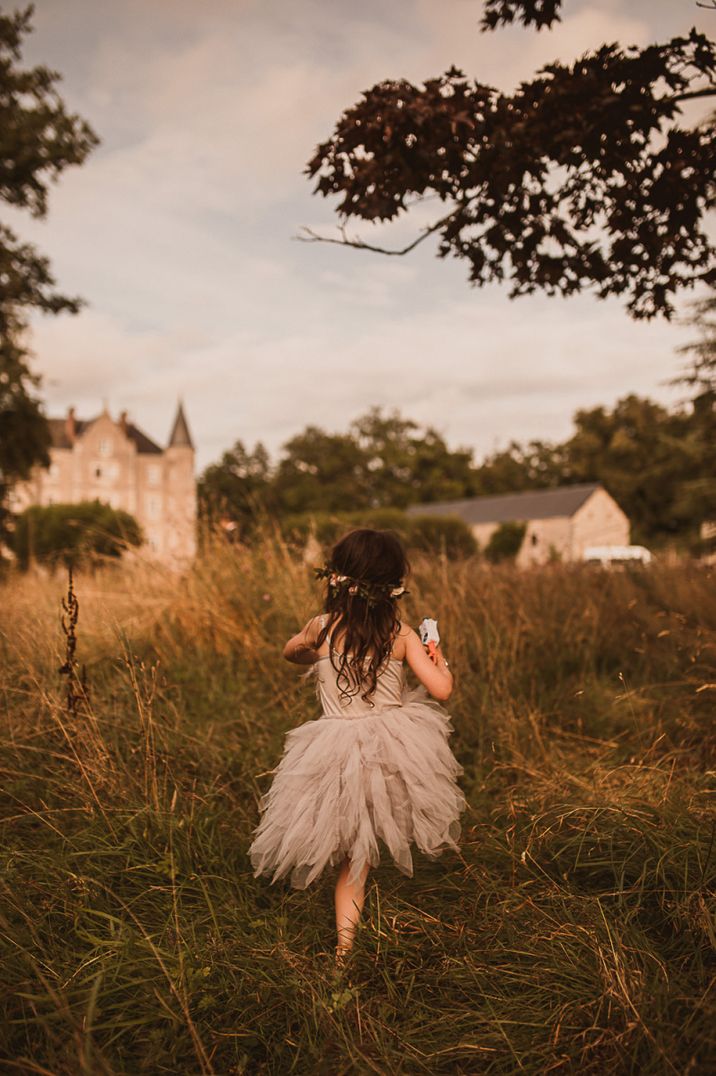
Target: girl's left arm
<point>301,648</point>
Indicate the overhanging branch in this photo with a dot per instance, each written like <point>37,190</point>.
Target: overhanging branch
<point>695,93</point>
<point>309,236</point>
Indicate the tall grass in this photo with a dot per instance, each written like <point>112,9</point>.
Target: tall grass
<point>574,932</point>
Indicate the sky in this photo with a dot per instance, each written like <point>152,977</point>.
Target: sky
<point>180,231</point>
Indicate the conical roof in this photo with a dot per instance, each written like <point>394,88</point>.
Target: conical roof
<point>180,431</point>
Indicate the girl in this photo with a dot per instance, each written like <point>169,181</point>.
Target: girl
<point>376,763</point>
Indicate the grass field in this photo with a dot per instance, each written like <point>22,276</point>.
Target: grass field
<point>575,932</point>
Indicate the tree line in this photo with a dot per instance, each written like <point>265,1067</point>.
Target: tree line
<point>658,463</point>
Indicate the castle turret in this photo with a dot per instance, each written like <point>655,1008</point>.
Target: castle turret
<point>180,436</point>
<point>181,489</point>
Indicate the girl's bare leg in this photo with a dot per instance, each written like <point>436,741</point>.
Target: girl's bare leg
<point>349,905</point>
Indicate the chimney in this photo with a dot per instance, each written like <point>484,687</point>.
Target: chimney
<point>123,423</point>
<point>71,425</point>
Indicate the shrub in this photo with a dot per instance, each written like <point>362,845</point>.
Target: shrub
<point>68,533</point>
<point>505,541</point>
<point>448,534</point>
<point>429,534</point>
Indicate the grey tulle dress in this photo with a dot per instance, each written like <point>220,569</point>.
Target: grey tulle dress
<point>358,775</point>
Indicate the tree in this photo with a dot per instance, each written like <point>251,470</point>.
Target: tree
<point>698,498</point>
<point>39,139</point>
<point>70,533</point>
<point>582,179</point>
<point>505,541</point>
<point>237,487</point>
<point>406,464</point>
<point>700,374</point>
<point>536,465</point>
<point>381,461</point>
<point>643,454</point>
<point>321,471</point>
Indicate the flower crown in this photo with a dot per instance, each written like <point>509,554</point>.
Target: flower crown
<point>371,592</point>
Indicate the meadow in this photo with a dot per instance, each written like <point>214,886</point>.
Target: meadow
<point>574,932</point>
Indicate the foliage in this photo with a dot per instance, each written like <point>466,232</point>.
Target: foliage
<point>237,486</point>
<point>572,933</point>
<point>71,533</point>
<point>657,463</point>
<point>321,471</point>
<point>383,460</point>
<point>582,179</point>
<point>534,465</point>
<point>698,492</point>
<point>39,139</point>
<point>442,534</point>
<point>537,13</point>
<point>24,432</point>
<point>505,541</point>
<point>405,463</point>
<point>700,374</point>
<point>433,535</point>
<point>327,527</point>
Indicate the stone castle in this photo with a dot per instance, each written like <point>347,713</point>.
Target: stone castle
<point>115,462</point>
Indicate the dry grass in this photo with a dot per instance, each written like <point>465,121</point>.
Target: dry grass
<point>575,932</point>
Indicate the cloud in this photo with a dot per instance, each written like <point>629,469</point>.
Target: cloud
<point>178,232</point>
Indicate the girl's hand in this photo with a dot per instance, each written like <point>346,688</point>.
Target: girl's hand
<point>430,637</point>
<point>433,672</point>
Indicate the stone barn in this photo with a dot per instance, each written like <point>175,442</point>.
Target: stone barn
<point>560,522</point>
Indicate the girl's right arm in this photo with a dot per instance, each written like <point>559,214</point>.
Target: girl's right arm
<point>436,678</point>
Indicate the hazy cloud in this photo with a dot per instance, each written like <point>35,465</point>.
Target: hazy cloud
<point>179,230</point>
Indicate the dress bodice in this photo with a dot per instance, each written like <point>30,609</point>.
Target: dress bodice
<point>388,692</point>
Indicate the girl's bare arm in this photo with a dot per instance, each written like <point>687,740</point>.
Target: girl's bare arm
<point>437,678</point>
<point>300,649</point>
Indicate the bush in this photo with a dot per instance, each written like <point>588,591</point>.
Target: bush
<point>505,541</point>
<point>68,533</point>
<point>448,534</point>
<point>428,534</point>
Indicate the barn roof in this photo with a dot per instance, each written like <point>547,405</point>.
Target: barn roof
<point>531,504</point>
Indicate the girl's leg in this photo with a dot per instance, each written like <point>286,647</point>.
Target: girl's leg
<point>349,905</point>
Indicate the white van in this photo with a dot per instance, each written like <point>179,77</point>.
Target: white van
<point>616,554</point>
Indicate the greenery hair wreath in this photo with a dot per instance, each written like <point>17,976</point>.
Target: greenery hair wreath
<point>371,592</point>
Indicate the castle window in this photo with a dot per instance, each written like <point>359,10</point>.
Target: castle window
<point>154,474</point>
<point>53,472</point>
<point>105,446</point>
<point>98,472</point>
<point>154,505</point>
<point>534,539</point>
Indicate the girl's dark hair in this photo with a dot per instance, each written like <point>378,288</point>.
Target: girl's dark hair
<point>367,628</point>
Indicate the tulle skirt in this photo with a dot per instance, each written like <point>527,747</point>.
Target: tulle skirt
<point>345,783</point>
